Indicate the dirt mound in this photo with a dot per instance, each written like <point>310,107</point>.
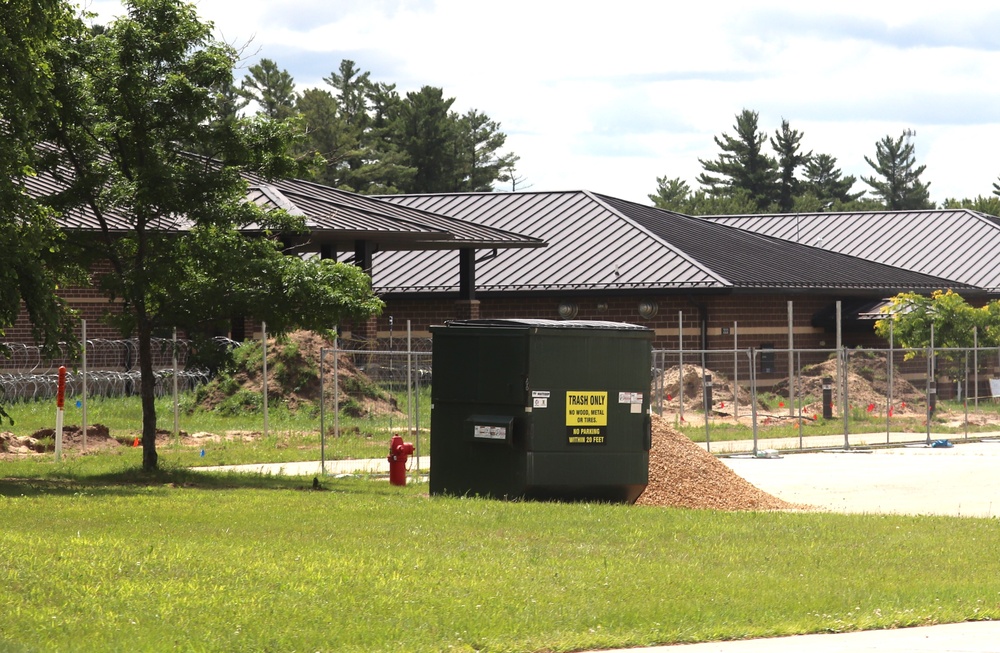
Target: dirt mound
<point>293,379</point>
<point>693,384</point>
<point>867,384</point>
<point>683,475</point>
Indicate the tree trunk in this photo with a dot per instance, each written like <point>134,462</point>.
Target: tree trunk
<point>147,386</point>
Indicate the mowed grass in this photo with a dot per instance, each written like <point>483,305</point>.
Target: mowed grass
<point>292,436</point>
<point>96,556</point>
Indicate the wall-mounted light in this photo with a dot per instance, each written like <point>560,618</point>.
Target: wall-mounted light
<point>647,309</point>
<point>568,310</point>
<point>602,307</point>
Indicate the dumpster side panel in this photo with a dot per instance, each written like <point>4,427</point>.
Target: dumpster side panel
<point>478,391</point>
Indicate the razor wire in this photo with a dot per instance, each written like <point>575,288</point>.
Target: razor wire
<point>27,373</point>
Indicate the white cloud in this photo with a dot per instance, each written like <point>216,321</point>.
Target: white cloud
<point>609,97</point>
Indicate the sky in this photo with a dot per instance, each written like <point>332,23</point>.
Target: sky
<point>608,97</point>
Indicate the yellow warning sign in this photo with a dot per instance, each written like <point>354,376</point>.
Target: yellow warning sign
<point>585,408</point>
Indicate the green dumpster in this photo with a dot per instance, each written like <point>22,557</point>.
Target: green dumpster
<point>541,409</point>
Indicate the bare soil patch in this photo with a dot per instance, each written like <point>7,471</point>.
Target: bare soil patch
<point>43,441</point>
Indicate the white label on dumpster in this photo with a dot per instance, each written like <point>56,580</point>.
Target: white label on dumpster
<point>540,402</point>
<point>630,398</point>
<point>489,432</point>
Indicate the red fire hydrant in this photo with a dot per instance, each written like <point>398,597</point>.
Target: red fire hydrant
<point>398,453</point>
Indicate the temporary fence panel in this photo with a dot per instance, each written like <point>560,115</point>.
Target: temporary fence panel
<point>370,396</point>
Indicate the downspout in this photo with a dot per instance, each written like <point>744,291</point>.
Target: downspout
<point>703,319</point>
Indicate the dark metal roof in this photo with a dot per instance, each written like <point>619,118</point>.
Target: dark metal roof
<point>339,218</point>
<point>334,217</point>
<point>598,242</point>
<point>956,244</point>
<point>590,246</point>
<point>750,260</point>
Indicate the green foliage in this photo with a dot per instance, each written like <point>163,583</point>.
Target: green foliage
<point>375,141</point>
<point>746,179</point>
<point>239,402</point>
<point>742,164</point>
<point>290,369</point>
<point>987,205</point>
<point>675,195</point>
<point>897,182</point>
<point>825,182</point>
<point>272,89</point>
<point>786,144</point>
<point>910,317</point>
<point>125,107</point>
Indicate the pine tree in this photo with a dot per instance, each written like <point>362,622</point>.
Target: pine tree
<point>671,194</point>
<point>271,88</point>
<point>898,182</point>
<point>826,182</point>
<point>786,144</point>
<point>742,165</point>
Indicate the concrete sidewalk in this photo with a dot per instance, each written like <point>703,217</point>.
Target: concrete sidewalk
<point>362,466</point>
<point>969,637</point>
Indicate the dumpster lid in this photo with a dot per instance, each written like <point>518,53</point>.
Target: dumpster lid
<point>548,324</point>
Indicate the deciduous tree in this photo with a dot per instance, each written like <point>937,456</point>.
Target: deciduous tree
<point>32,261</point>
<point>172,224</point>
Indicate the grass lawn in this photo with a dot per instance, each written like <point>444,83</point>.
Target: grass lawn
<point>96,556</point>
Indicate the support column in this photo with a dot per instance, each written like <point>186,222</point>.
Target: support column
<point>364,250</point>
<point>467,309</point>
<point>365,330</point>
<point>467,274</point>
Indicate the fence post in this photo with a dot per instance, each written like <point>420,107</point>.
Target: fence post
<point>83,398</point>
<point>736,374</point>
<point>263,340</point>
<point>706,393</point>
<point>322,412</point>
<point>965,394</point>
<point>680,363</point>
<point>752,354</point>
<point>888,406</point>
<point>336,386</point>
<point>174,361</point>
<point>791,361</point>
<point>975,364</point>
<point>409,390</point>
<point>844,399</point>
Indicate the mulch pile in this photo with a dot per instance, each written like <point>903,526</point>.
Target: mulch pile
<point>683,475</point>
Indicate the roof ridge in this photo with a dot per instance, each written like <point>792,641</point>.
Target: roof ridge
<point>597,197</point>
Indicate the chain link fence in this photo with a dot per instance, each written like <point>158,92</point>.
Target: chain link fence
<point>907,395</point>
<point>110,368</point>
<point>372,391</point>
<point>367,396</point>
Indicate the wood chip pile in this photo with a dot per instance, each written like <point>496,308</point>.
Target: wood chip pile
<point>683,475</point>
